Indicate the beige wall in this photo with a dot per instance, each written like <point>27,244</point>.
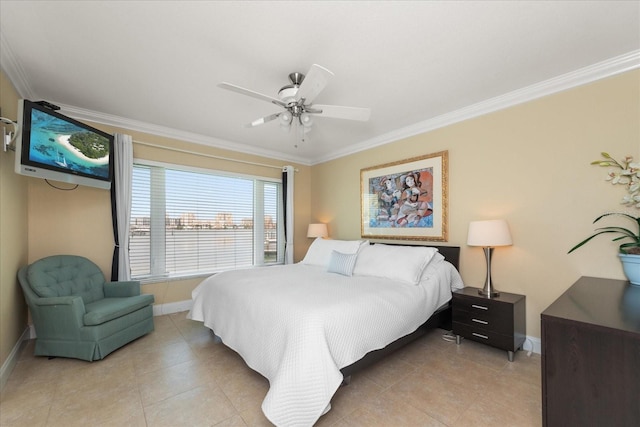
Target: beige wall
<point>529,164</point>
<point>13,235</point>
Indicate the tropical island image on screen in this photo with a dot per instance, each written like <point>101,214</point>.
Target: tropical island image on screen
<point>62,144</point>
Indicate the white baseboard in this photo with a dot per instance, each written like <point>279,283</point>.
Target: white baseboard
<point>12,359</point>
<point>532,344</point>
<point>172,307</point>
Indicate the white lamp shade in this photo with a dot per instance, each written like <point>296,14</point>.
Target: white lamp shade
<point>317,230</point>
<point>489,233</point>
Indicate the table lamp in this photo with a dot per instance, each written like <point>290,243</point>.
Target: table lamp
<point>489,234</point>
<point>317,230</point>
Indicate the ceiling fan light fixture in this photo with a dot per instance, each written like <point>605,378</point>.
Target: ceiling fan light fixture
<point>306,120</point>
<point>285,121</point>
<point>285,118</point>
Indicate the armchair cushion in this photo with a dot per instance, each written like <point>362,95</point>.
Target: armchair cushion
<point>101,311</point>
<point>64,275</point>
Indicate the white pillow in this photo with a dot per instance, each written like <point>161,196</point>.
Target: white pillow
<point>342,263</point>
<point>319,252</point>
<point>401,263</point>
<point>432,267</point>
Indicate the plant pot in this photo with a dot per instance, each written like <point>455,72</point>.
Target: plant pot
<point>630,305</point>
<point>631,267</point>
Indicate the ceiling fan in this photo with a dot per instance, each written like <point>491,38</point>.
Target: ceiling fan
<point>297,100</point>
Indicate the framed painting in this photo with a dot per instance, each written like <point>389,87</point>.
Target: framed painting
<point>406,200</point>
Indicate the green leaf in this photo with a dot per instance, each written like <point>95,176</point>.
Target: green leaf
<point>624,233</point>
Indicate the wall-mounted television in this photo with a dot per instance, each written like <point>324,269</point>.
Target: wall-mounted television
<point>57,147</point>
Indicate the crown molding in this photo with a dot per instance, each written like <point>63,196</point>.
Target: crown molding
<point>13,70</point>
<point>139,126</point>
<point>589,74</point>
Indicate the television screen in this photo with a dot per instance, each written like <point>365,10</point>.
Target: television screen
<point>57,147</point>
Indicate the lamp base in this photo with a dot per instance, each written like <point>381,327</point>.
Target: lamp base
<point>488,290</point>
<point>488,294</point>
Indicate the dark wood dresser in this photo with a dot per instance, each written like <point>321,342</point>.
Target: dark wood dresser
<point>591,355</point>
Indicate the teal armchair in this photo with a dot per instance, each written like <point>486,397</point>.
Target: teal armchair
<point>77,314</point>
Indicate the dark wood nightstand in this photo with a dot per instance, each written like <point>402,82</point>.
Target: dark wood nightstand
<point>498,321</point>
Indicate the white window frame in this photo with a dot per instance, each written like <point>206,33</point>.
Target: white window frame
<point>157,225</point>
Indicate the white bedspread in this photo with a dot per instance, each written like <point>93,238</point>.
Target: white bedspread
<point>298,326</point>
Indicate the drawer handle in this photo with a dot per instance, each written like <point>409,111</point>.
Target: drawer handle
<point>481,307</point>
<point>480,321</point>
<point>480,336</point>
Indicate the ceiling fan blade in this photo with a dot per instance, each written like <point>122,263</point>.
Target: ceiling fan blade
<point>257,95</point>
<point>339,112</point>
<point>313,83</point>
<point>263,120</point>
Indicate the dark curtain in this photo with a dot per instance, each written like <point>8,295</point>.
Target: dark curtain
<point>115,263</point>
<point>284,200</point>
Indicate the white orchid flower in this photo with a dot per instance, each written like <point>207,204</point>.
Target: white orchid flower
<point>627,173</point>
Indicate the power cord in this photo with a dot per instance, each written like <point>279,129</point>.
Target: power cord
<point>60,188</point>
<point>531,349</point>
<point>449,336</point>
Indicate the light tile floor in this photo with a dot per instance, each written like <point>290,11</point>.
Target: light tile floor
<point>180,375</point>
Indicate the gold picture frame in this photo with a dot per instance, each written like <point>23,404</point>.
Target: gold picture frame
<point>406,200</point>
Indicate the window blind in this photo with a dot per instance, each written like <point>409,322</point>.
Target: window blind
<point>191,222</point>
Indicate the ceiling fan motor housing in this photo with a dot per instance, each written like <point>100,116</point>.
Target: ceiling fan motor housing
<point>288,92</point>
<point>296,78</point>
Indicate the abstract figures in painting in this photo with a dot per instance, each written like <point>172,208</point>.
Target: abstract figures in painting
<point>404,199</point>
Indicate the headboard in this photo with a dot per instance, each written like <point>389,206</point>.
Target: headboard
<point>450,253</point>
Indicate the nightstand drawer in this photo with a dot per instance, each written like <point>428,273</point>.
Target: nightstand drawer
<point>495,319</point>
<point>492,338</point>
<point>483,306</point>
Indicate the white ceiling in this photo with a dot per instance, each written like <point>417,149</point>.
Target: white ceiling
<point>154,66</point>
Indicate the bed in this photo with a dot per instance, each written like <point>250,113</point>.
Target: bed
<point>308,326</point>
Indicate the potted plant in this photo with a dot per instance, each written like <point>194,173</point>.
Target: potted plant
<point>629,251</point>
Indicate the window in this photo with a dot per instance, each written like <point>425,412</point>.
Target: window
<point>187,222</point>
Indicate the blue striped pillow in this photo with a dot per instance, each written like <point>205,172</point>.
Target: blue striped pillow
<point>342,263</point>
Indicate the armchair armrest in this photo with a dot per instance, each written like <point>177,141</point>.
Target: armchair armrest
<point>122,289</point>
<point>70,300</point>
<point>58,317</point>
